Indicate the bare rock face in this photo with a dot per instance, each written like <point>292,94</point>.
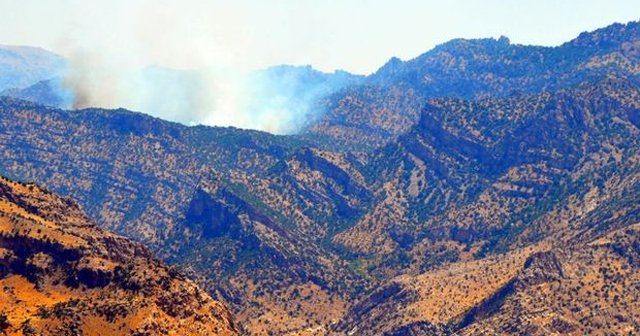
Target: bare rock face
<point>540,268</point>
<point>60,274</point>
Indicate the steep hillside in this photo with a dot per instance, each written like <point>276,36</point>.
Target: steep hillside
<point>586,287</point>
<point>582,285</point>
<point>216,201</point>
<point>60,274</point>
<point>259,261</point>
<point>476,172</point>
<point>104,157</point>
<point>545,247</point>
<point>591,290</point>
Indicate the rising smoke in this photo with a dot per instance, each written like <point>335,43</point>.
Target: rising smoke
<point>280,100</point>
<point>185,68</point>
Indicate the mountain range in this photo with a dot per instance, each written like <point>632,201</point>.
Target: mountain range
<point>483,187</point>
<point>391,100</point>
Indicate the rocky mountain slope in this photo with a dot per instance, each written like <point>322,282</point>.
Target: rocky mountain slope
<point>476,168</point>
<point>535,243</point>
<point>585,287</point>
<point>187,192</point>
<point>62,275</point>
<point>577,284</point>
<point>471,193</point>
<point>390,101</point>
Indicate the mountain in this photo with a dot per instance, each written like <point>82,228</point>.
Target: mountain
<point>489,195</point>
<point>471,181</point>
<point>60,273</point>
<point>187,192</point>
<point>536,237</point>
<point>21,67</point>
<point>503,154</point>
<point>389,102</point>
<point>585,287</point>
<point>357,112</point>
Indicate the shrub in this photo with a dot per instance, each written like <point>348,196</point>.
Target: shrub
<point>4,322</point>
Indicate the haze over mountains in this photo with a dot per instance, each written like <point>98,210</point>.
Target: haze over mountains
<point>278,99</point>
<point>480,188</point>
<point>287,99</point>
<point>24,66</point>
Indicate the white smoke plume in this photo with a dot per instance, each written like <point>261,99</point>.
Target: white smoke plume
<point>279,100</point>
<point>182,68</point>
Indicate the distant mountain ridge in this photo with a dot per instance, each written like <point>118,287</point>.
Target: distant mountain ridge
<point>21,66</point>
<point>389,101</point>
<point>350,108</point>
<point>281,96</point>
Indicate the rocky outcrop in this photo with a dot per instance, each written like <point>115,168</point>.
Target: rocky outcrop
<point>541,267</point>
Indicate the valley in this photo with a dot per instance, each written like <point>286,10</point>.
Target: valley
<point>483,187</point>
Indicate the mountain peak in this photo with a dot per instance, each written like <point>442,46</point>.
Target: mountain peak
<point>392,67</point>
<point>463,44</point>
<point>504,40</point>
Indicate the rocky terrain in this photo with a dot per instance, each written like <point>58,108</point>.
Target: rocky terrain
<point>62,275</point>
<point>162,183</point>
<point>482,188</point>
<point>586,288</point>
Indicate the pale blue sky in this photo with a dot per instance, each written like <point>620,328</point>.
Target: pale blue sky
<point>355,35</point>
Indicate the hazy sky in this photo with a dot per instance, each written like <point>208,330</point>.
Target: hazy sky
<point>355,35</point>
